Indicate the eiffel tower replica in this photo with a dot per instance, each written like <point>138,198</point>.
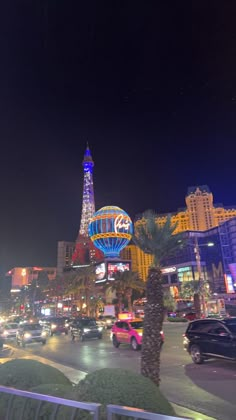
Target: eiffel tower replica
<point>85,252</point>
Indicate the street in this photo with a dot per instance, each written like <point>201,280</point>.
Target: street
<point>208,388</point>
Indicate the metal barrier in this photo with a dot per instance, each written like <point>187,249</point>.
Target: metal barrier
<point>93,408</point>
<point>137,413</point>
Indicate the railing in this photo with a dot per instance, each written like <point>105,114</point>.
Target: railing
<point>93,408</point>
<point>137,413</point>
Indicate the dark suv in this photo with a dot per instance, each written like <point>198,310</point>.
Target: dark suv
<point>85,328</point>
<point>211,338</point>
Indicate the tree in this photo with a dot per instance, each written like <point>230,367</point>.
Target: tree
<point>169,302</point>
<point>195,290</point>
<point>160,242</point>
<point>82,282</point>
<point>124,284</point>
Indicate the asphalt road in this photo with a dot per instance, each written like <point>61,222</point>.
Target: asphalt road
<point>208,388</point>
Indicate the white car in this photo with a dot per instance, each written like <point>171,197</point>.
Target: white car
<point>8,330</point>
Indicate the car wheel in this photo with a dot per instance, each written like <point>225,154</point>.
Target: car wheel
<point>72,337</point>
<point>115,342</point>
<point>43,342</point>
<point>100,336</point>
<point>66,332</point>
<point>196,354</point>
<point>134,344</point>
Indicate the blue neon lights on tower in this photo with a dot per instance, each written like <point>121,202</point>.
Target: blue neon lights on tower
<point>88,204</point>
<point>110,230</point>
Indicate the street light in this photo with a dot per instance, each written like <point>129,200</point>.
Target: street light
<point>199,268</point>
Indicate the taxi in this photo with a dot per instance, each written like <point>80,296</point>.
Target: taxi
<point>129,331</point>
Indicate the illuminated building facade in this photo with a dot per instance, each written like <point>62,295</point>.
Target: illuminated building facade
<point>65,251</point>
<point>200,214</point>
<point>22,276</point>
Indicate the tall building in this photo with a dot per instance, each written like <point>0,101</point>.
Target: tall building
<point>200,214</point>
<point>85,252</point>
<point>82,251</point>
<point>22,276</point>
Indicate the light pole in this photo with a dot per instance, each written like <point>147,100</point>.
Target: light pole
<point>199,269</point>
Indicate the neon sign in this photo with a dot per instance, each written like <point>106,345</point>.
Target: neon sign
<point>121,222</point>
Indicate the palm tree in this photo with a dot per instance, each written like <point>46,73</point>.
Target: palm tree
<point>160,242</point>
<point>82,281</point>
<point>196,290</point>
<point>124,284</point>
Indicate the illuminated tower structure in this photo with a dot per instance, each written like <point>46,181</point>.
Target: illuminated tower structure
<point>85,252</point>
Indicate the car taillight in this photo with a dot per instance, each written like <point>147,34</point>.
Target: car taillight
<point>184,335</point>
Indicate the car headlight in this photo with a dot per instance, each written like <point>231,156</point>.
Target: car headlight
<point>100,328</point>
<point>53,326</point>
<point>140,334</point>
<point>86,329</point>
<point>44,333</point>
<point>108,321</point>
<point>27,335</point>
<point>5,333</point>
<point>66,325</point>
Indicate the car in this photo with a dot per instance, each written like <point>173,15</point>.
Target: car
<point>107,321</point>
<point>129,331</point>
<point>190,316</point>
<point>211,338</point>
<point>85,328</point>
<point>8,330</point>
<point>30,333</point>
<point>58,325</point>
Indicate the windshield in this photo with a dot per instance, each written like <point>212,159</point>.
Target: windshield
<point>88,322</point>
<point>32,327</point>
<point>11,326</point>
<point>136,324</point>
<point>232,327</point>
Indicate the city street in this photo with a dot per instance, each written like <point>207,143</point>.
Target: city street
<point>208,388</point>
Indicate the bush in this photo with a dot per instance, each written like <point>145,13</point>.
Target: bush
<point>25,373</point>
<point>177,319</point>
<point>122,387</point>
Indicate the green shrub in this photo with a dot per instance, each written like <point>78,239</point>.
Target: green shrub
<point>26,373</point>
<point>176,319</point>
<point>122,387</point>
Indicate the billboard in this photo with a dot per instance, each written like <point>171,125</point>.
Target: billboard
<point>107,270</point>
<point>100,273</point>
<point>116,267</point>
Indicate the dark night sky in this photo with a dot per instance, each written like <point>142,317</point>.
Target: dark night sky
<point>151,85</point>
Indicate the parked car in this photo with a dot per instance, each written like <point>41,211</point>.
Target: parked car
<point>129,332</point>
<point>8,330</point>
<point>29,333</point>
<point>85,328</point>
<point>211,338</point>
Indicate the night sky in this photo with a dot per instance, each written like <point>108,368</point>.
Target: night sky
<point>150,85</point>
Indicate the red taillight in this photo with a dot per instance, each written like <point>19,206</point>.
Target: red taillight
<point>184,335</point>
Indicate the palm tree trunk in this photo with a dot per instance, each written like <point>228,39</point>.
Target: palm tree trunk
<point>197,305</point>
<point>153,320</point>
<point>129,296</point>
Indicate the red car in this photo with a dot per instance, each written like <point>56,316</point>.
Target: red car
<point>190,316</point>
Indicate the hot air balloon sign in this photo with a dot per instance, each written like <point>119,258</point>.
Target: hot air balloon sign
<point>110,229</point>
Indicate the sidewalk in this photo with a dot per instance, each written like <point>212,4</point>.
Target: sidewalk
<point>77,375</point>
